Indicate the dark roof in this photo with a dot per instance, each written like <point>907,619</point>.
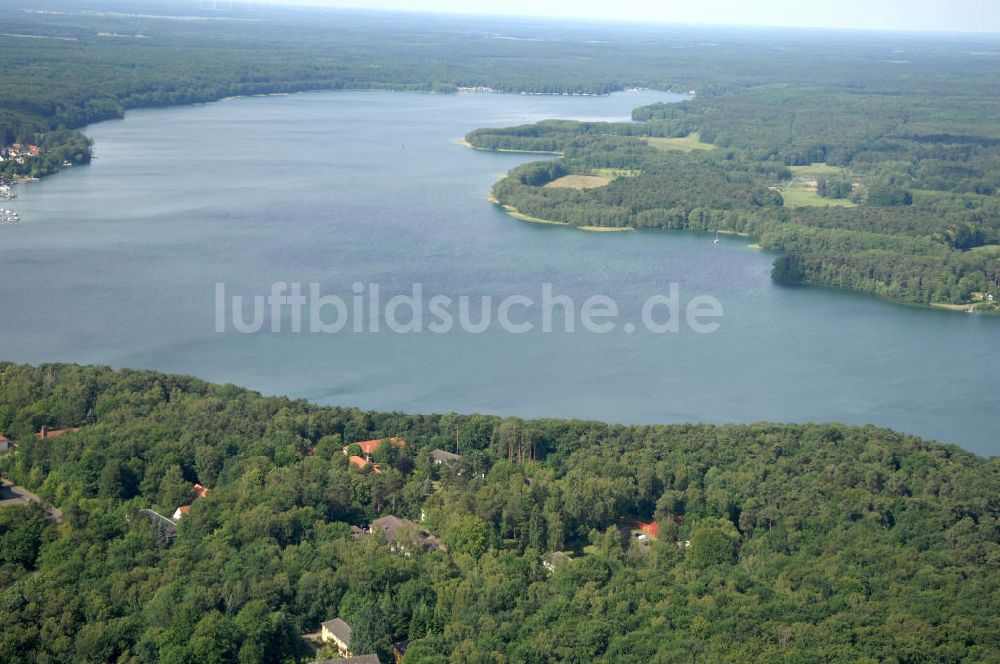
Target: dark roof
<point>388,525</point>
<point>556,558</point>
<point>440,456</point>
<point>362,659</point>
<point>340,629</point>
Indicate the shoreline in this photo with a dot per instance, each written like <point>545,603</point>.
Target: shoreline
<point>520,216</point>
<point>465,143</point>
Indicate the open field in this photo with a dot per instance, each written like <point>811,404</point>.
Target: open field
<point>688,143</point>
<point>580,182</point>
<point>801,191</point>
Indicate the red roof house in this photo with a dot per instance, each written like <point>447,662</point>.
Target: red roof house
<point>652,529</point>
<point>54,433</point>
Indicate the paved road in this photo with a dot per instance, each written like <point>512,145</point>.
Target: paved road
<point>24,496</point>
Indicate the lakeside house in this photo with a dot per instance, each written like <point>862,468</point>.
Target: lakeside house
<point>337,632</point>
<point>4,443</point>
<point>362,659</point>
<point>368,448</point>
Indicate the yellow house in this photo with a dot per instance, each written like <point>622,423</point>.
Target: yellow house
<point>338,632</point>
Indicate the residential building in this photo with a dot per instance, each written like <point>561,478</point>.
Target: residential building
<point>337,632</point>
<point>405,535</point>
<point>440,456</point>
<point>45,432</point>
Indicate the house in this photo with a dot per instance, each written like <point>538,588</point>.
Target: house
<point>199,492</point>
<point>4,444</point>
<point>651,528</point>
<point>362,659</point>
<point>368,447</point>
<point>440,456</point>
<point>362,462</point>
<point>555,559</point>
<point>403,534</point>
<point>337,632</point>
<point>45,432</point>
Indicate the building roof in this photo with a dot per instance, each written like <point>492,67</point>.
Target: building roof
<point>4,439</point>
<point>54,433</point>
<point>361,659</point>
<point>369,446</point>
<point>362,462</point>
<point>200,490</point>
<point>339,629</point>
<point>388,525</point>
<point>651,528</point>
<point>440,456</point>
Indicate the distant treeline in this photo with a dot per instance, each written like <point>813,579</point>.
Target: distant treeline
<point>73,64</point>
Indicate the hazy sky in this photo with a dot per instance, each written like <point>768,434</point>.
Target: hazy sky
<point>933,15</point>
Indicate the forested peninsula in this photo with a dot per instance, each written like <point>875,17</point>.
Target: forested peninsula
<point>542,540</point>
<point>894,194</point>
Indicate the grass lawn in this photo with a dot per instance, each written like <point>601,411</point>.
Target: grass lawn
<point>688,143</point>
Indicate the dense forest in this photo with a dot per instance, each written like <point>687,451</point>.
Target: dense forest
<point>776,543</point>
<point>893,194</point>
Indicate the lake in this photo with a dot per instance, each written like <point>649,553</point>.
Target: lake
<point>117,263</point>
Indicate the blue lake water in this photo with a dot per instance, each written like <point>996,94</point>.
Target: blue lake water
<point>116,263</point>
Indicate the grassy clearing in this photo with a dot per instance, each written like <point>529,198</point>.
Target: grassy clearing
<point>580,182</point>
<point>801,191</point>
<point>688,143</point>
